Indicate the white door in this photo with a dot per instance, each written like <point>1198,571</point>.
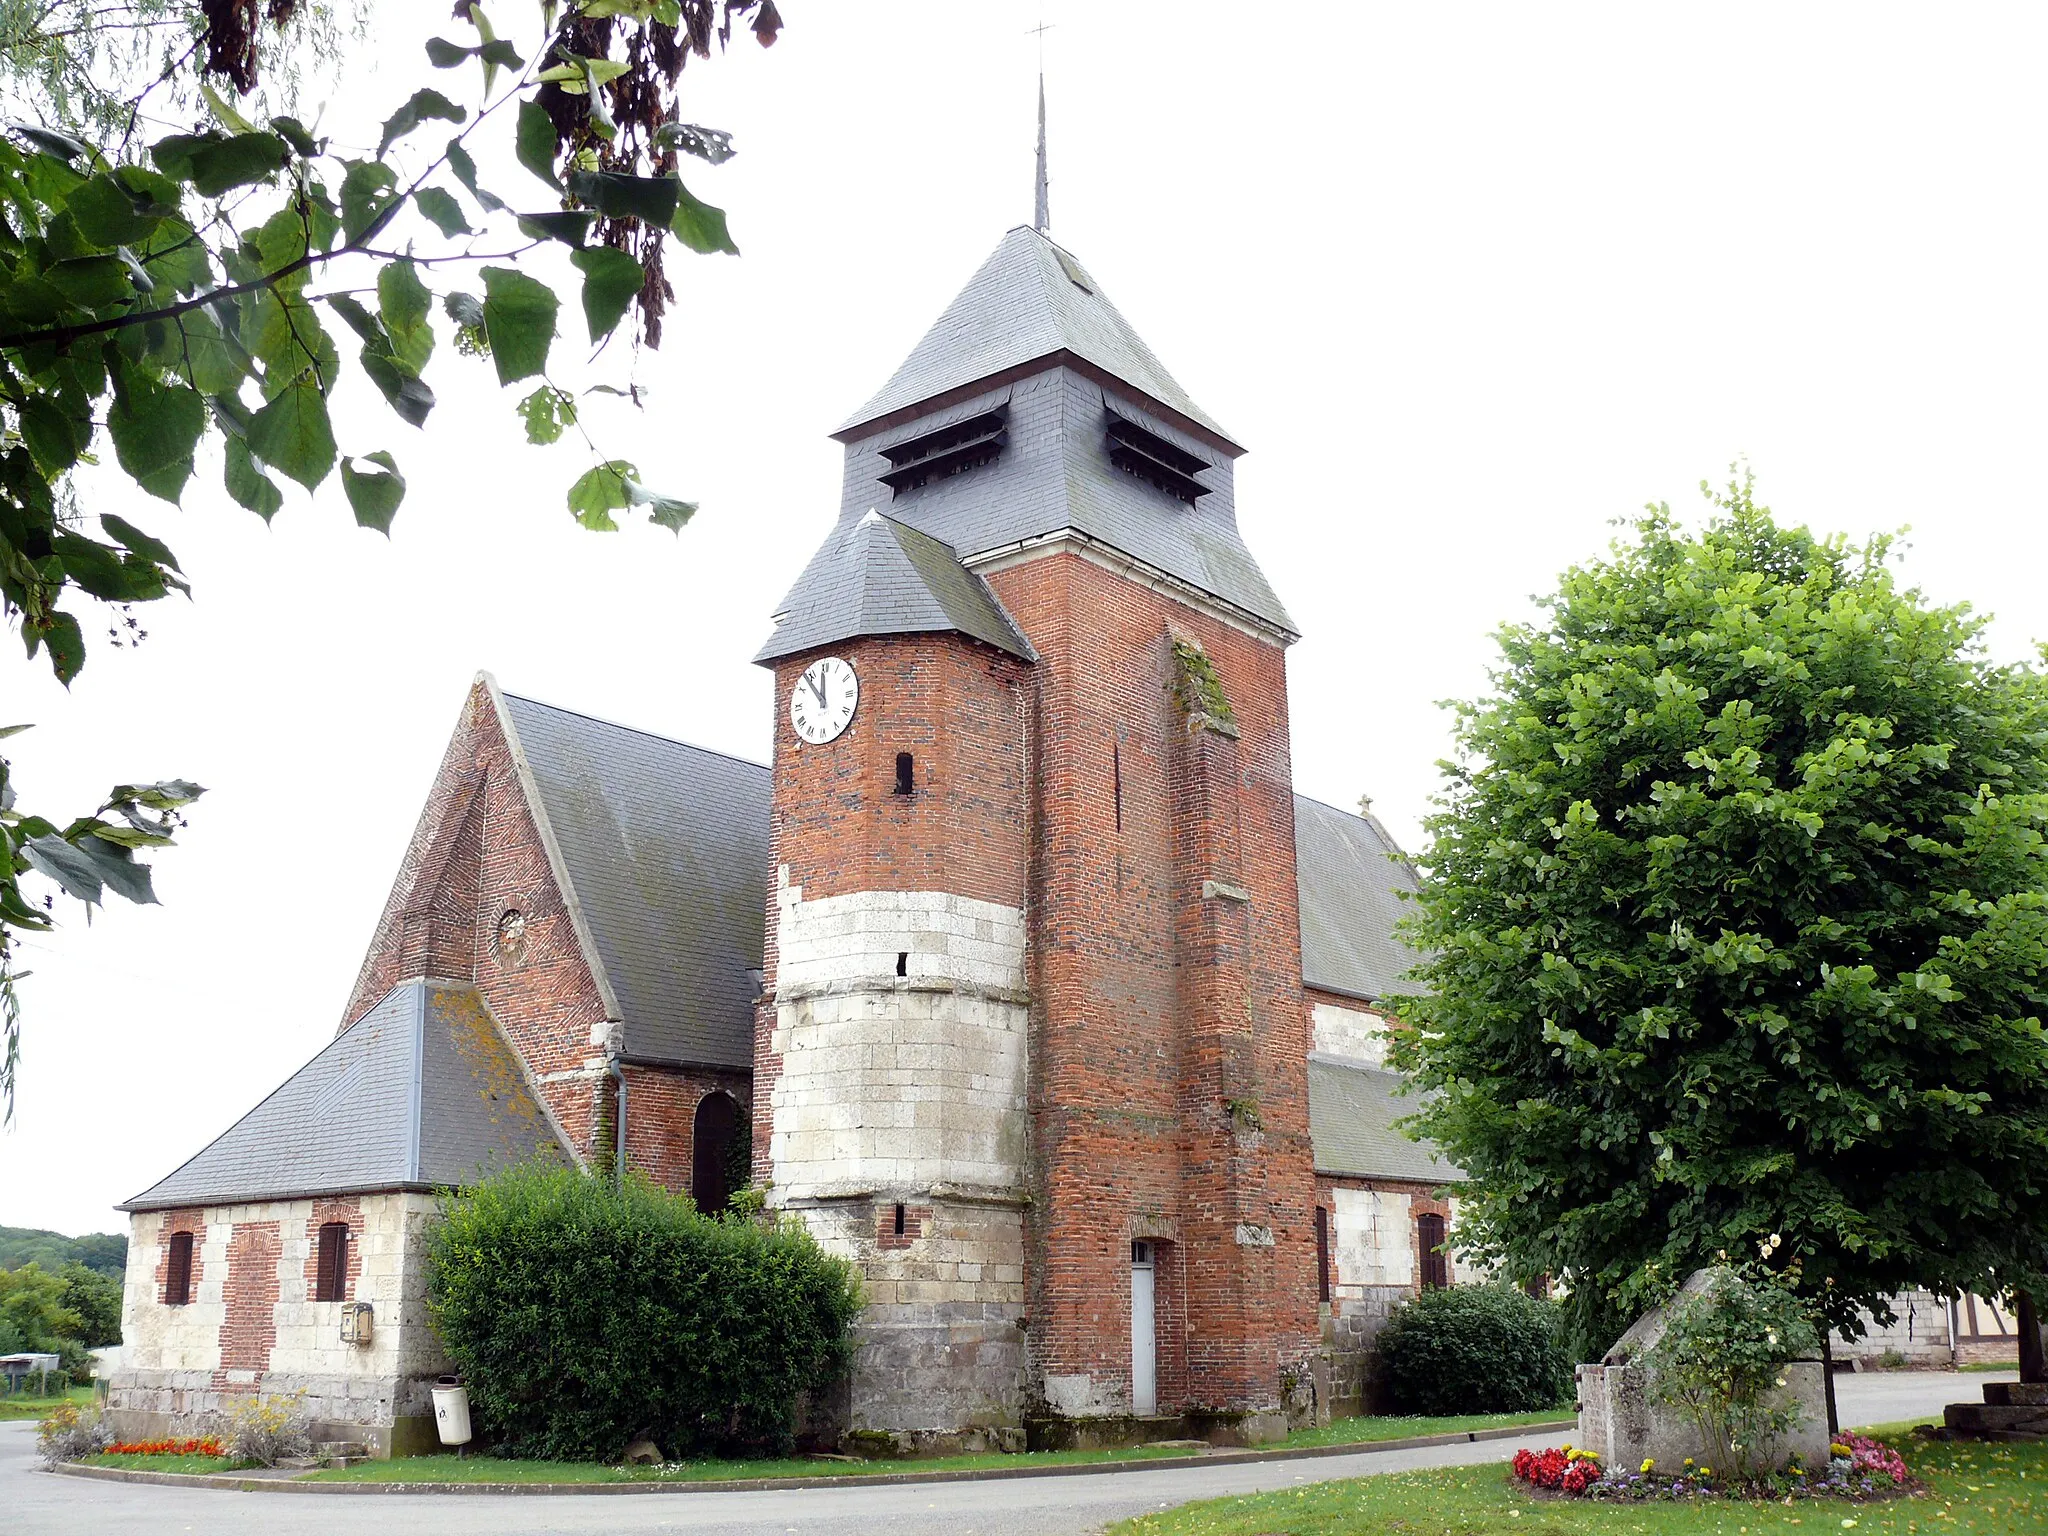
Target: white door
<point>1144,1349</point>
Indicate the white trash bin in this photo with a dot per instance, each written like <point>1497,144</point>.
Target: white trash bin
<point>451,1411</point>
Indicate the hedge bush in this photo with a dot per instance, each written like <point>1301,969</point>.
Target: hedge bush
<point>584,1315</point>
<point>1474,1349</point>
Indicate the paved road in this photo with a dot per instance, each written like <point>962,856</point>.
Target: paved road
<point>37,1502</point>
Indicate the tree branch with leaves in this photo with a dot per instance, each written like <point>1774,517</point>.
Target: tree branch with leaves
<point>157,299</point>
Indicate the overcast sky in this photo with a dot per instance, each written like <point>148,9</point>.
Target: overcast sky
<point>1470,282</point>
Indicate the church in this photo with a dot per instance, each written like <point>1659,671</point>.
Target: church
<point>1020,974</point>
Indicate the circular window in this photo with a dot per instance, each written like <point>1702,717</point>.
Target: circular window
<point>511,941</point>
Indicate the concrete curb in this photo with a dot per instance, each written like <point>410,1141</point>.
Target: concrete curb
<point>242,1483</point>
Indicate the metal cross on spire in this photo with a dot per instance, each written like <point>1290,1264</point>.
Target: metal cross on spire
<point>1041,217</point>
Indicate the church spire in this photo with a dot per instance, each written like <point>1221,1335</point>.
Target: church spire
<point>1042,212</point>
<point>1041,208</point>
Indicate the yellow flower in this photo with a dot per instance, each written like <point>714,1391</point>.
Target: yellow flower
<point>1706,1471</point>
<point>1649,1466</point>
<point>1688,1461</point>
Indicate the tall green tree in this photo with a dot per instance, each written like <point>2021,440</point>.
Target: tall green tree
<point>177,298</point>
<point>1736,917</point>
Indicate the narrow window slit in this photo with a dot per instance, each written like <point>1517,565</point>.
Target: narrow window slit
<point>1116,780</point>
<point>899,1220</point>
<point>902,962</point>
<point>906,774</point>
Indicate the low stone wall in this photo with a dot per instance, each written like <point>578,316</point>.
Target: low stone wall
<point>1351,1329</point>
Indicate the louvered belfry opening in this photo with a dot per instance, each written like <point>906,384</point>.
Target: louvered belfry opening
<point>1151,458</point>
<point>948,451</point>
<point>178,1270</point>
<point>1436,1264</point>
<point>330,1282</point>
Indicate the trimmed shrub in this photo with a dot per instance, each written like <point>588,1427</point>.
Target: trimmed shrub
<point>584,1315</point>
<point>1474,1349</point>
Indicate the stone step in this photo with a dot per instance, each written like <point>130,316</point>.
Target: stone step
<point>2016,1394</point>
<point>2030,1421</point>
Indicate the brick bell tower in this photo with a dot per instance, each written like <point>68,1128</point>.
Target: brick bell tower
<point>1032,1044</point>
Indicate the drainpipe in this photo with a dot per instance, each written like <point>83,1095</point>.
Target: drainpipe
<point>619,1077</point>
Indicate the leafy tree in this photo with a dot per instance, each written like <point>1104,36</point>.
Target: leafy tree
<point>162,302</point>
<point>1735,917</point>
<point>96,1299</point>
<point>32,1303</point>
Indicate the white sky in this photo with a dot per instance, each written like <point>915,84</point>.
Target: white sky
<point>1471,281</point>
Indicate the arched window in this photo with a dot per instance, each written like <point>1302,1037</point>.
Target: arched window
<point>178,1270</point>
<point>711,1152</point>
<point>330,1278</point>
<point>1436,1264</point>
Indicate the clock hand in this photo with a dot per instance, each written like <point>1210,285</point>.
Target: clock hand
<point>816,678</point>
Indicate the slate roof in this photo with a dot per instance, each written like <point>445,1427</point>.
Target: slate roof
<point>877,576</point>
<point>1031,299</point>
<point>422,1092</point>
<point>1349,876</point>
<point>1351,1115</point>
<point>664,848</point>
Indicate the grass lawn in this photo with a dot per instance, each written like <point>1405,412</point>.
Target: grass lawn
<point>1977,1490</point>
<point>31,1407</point>
<point>1392,1427</point>
<point>490,1469</point>
<point>191,1464</point>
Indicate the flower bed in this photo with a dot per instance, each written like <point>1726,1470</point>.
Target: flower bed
<point>1858,1468</point>
<point>205,1446</point>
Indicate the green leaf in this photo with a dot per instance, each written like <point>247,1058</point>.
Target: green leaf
<point>107,214</point>
<point>464,167</point>
<point>709,144</point>
<point>497,53</point>
<point>700,226</point>
<point>366,192</point>
<point>464,308</point>
<point>155,427</point>
<point>535,142</point>
<point>548,412</point>
<point>519,316</point>
<point>213,362</point>
<point>569,228</point>
<point>248,484</point>
<point>60,635</point>
<point>665,511</point>
<point>229,117</point>
<point>361,321</point>
<point>92,282</point>
<point>55,436</point>
<point>292,344</point>
<point>293,436</point>
<point>104,571</point>
<point>294,133</point>
<point>423,105</point>
<point>440,206</point>
<point>374,494</point>
<point>404,302</point>
<point>600,491</point>
<point>651,199</point>
<point>443,54</point>
<point>50,142</point>
<point>137,542</point>
<point>215,163</point>
<point>610,280</point>
<point>407,393</point>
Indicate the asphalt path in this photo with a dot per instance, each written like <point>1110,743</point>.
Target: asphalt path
<point>32,1500</point>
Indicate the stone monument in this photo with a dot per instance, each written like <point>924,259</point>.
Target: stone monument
<point>1622,1423</point>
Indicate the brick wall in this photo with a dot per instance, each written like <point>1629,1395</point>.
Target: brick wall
<point>661,1119</point>
<point>476,856</point>
<point>251,1293</point>
<point>1155,1008</point>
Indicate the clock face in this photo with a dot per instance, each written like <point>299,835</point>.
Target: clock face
<point>822,703</point>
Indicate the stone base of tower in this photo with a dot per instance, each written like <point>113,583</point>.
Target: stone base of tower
<point>939,1363</point>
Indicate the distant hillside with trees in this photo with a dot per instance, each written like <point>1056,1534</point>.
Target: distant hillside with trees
<point>105,1252</point>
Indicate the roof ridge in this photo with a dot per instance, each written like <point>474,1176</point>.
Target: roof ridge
<point>636,730</point>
